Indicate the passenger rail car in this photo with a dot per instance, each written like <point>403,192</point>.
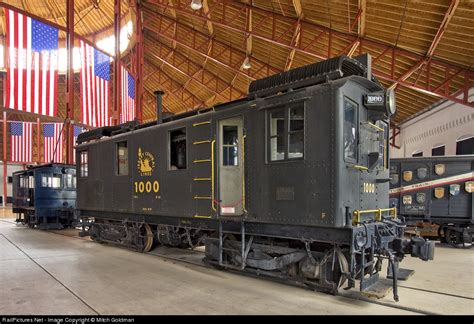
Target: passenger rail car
<point>291,181</point>
<point>44,196</point>
<point>435,195</point>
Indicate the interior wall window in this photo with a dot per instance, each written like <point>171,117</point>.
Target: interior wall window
<point>438,151</point>
<point>296,133</point>
<point>230,146</point>
<point>177,146</point>
<point>350,131</point>
<point>417,154</point>
<point>122,158</point>
<point>277,135</point>
<point>83,166</point>
<point>465,146</point>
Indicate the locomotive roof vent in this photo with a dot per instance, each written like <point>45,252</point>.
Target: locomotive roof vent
<point>321,72</point>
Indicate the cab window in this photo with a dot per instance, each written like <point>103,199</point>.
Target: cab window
<point>122,158</point>
<point>350,131</point>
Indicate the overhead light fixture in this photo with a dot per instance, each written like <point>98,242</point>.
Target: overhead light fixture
<point>246,65</point>
<point>196,4</point>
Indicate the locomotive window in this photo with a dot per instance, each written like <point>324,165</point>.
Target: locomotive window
<point>350,131</point>
<point>83,167</point>
<point>45,181</point>
<point>31,182</point>
<point>230,146</point>
<point>296,133</point>
<point>23,182</point>
<point>277,131</point>
<point>177,149</point>
<point>70,180</point>
<point>56,181</point>
<point>383,143</point>
<point>122,158</point>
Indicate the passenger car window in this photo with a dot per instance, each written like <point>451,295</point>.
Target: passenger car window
<point>45,181</point>
<point>230,146</point>
<point>350,131</point>
<point>177,147</point>
<point>122,158</point>
<point>83,164</point>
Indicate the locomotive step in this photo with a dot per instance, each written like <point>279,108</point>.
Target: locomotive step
<point>403,274</point>
<point>380,289</point>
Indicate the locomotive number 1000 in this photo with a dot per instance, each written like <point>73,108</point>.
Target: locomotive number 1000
<point>148,186</point>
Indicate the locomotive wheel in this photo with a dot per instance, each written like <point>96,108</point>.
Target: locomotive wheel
<point>455,239</point>
<point>147,238</point>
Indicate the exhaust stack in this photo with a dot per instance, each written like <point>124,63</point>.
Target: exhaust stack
<point>159,106</point>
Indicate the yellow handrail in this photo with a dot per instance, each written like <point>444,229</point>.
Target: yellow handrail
<point>378,214</point>
<point>212,175</point>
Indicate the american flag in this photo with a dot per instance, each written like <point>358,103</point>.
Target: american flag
<point>127,112</point>
<point>21,141</point>
<point>32,65</point>
<point>53,140</point>
<point>77,130</point>
<point>95,77</point>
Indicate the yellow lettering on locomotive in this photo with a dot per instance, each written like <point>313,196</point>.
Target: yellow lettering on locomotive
<point>146,186</point>
<point>369,187</point>
<point>145,163</point>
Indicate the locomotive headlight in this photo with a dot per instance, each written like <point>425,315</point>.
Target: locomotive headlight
<point>390,104</point>
<point>381,104</point>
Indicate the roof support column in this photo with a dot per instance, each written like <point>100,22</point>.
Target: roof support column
<point>117,103</point>
<point>69,81</point>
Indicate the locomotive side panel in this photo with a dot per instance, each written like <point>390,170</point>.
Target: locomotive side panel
<point>288,174</point>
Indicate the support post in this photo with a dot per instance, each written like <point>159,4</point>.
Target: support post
<point>5,176</point>
<point>70,81</point>
<point>117,97</point>
<point>38,140</point>
<point>139,61</point>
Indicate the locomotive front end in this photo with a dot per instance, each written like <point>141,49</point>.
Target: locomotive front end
<point>377,231</point>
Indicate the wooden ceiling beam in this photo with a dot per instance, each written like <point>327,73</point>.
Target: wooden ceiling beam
<point>194,68</point>
<point>275,18</point>
<point>296,35</point>
<point>168,79</point>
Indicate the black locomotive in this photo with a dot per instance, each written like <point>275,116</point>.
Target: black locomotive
<point>435,195</point>
<point>44,196</point>
<point>291,181</point>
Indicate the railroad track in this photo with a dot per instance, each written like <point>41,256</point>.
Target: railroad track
<point>194,257</point>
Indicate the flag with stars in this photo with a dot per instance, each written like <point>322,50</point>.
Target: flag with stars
<point>31,65</point>
<point>77,130</point>
<point>21,135</point>
<point>95,79</point>
<point>53,142</point>
<point>127,111</point>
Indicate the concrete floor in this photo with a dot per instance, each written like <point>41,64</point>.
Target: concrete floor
<point>46,273</point>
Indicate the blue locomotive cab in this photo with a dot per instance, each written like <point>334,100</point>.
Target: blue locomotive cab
<point>45,196</point>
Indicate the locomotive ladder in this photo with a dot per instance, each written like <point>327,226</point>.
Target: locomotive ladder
<point>242,253</point>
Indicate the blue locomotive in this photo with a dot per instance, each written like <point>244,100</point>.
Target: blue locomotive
<point>44,196</point>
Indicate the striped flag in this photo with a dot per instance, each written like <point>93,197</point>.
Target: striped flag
<point>53,141</point>
<point>95,77</point>
<point>21,141</point>
<point>31,64</point>
<point>127,112</point>
<point>77,130</point>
